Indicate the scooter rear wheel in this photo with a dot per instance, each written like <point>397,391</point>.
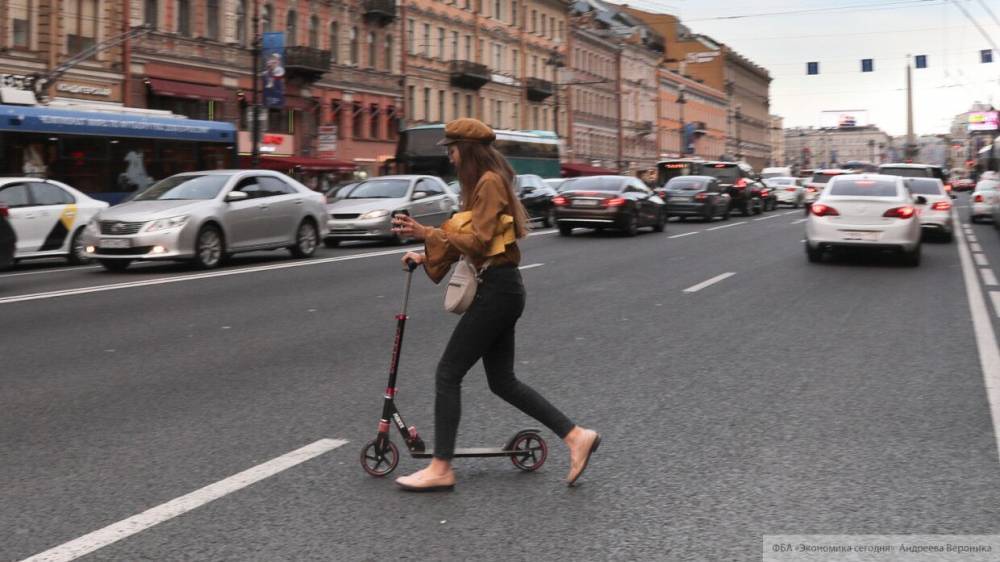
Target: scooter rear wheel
<point>531,451</point>
<point>379,461</point>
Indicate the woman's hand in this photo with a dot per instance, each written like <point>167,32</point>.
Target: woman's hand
<point>414,258</point>
<point>406,227</point>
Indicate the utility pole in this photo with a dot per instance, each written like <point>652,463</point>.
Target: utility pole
<point>739,141</point>
<point>255,112</point>
<point>910,143</point>
<point>680,106</point>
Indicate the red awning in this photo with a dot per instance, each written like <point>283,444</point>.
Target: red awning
<point>573,169</point>
<point>288,163</point>
<point>175,89</point>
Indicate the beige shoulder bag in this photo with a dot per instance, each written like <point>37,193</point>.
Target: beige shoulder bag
<point>462,286</point>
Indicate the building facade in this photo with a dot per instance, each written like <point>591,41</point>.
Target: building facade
<point>495,60</point>
<point>777,134</point>
<point>702,115</point>
<point>593,131</point>
<point>829,147</point>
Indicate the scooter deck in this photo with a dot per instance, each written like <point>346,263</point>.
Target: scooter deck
<point>470,452</point>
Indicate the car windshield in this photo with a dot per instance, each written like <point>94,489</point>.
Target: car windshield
<point>593,184</point>
<point>863,188</point>
<point>926,186</point>
<point>822,177</point>
<point>725,173</point>
<point>779,181</point>
<point>184,187</point>
<point>686,184</point>
<point>769,175</point>
<point>906,172</point>
<point>380,189</point>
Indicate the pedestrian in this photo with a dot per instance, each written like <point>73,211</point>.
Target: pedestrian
<point>486,235</point>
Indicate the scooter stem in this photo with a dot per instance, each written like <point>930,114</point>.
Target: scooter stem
<point>406,293</point>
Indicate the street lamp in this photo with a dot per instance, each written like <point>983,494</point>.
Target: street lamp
<point>681,100</point>
<point>556,60</point>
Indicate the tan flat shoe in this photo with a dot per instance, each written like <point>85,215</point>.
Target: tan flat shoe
<point>423,482</point>
<point>578,465</point>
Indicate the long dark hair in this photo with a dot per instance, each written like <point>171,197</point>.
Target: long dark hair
<point>475,160</point>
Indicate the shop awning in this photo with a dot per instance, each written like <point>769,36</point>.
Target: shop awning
<point>176,89</point>
<point>573,169</point>
<point>286,163</point>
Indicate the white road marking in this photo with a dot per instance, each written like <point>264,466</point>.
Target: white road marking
<point>768,217</point>
<point>980,259</point>
<point>179,506</point>
<point>975,247</point>
<point>995,297</point>
<point>60,270</point>
<point>709,282</point>
<point>986,341</point>
<point>791,213</point>
<point>532,266</point>
<point>683,235</point>
<point>989,279</point>
<point>727,225</point>
<point>800,221</point>
<point>972,237</point>
<point>210,275</point>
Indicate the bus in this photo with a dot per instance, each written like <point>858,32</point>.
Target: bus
<point>529,152</point>
<point>109,153</point>
<point>666,170</point>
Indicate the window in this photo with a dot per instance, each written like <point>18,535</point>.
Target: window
<point>812,68</point>
<point>212,19</point>
<point>468,106</point>
<point>441,115</point>
<point>372,50</point>
<point>516,113</point>
<point>427,40</point>
<point>534,66</point>
<point>534,21</point>
<point>427,104</point>
<point>430,187</point>
<point>411,42</point>
<point>373,122</point>
<point>271,186</point>
<point>468,47</point>
<point>354,56</point>
<point>440,52</point>
<point>454,105</point>
<point>48,194</point>
<point>515,58</point>
<point>334,41</point>
<point>392,122</point>
<point>358,125</point>
<point>562,30</point>
<point>513,12</point>
<point>498,57</point>
<point>267,17</point>
<point>388,53</point>
<point>454,45</point>
<point>241,23</point>
<point>314,32</point>
<point>985,57</point>
<point>15,195</point>
<point>337,117</point>
<point>867,65</point>
<point>21,23</point>
<point>81,23</point>
<point>411,102</point>
<point>291,28</point>
<point>498,107</point>
<point>497,10</point>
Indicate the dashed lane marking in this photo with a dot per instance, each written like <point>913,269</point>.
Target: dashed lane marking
<point>800,221</point>
<point>179,506</point>
<point>683,235</point>
<point>791,213</point>
<point>531,266</point>
<point>989,279</point>
<point>971,238</point>
<point>975,247</point>
<point>980,259</point>
<point>995,297</point>
<point>766,218</point>
<point>709,282</point>
<point>727,225</point>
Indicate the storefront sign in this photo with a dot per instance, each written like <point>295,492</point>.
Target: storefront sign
<point>327,141</point>
<point>695,58</point>
<point>983,121</point>
<point>84,89</point>
<point>273,144</point>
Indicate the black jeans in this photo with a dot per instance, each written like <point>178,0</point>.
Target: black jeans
<point>486,331</point>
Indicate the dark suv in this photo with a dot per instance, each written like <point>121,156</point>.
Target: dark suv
<point>738,180</point>
<point>8,239</point>
<point>536,196</point>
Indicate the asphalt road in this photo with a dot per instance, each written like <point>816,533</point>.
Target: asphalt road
<point>786,398</point>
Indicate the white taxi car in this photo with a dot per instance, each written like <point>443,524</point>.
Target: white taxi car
<point>935,215</point>
<point>48,217</point>
<point>983,198</point>
<point>865,211</point>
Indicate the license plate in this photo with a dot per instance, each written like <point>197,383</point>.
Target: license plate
<point>341,226</point>
<point>680,199</point>
<point>859,235</point>
<point>114,243</point>
<point>585,203</point>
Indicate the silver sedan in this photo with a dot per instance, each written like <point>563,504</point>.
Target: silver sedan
<point>366,212</point>
<point>207,216</point>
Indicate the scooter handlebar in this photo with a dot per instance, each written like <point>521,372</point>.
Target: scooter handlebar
<point>411,265</point>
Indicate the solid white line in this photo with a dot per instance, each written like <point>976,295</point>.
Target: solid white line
<point>712,281</point>
<point>995,297</point>
<point>975,247</point>
<point>768,217</point>
<point>986,341</point>
<point>532,266</point>
<point>989,279</point>
<point>980,259</point>
<point>179,506</point>
<point>800,221</point>
<point>61,270</point>
<point>727,225</point>
<point>210,275</point>
<point>683,235</point>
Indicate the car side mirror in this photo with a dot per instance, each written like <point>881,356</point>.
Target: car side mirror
<point>921,200</point>
<point>234,196</point>
<point>418,195</point>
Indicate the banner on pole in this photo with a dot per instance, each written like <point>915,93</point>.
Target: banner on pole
<point>273,54</point>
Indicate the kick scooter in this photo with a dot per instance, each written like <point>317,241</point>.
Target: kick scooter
<point>526,449</point>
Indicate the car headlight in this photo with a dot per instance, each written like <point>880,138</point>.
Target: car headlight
<point>375,214</point>
<point>166,224</point>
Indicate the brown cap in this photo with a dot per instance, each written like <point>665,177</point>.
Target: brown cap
<point>467,129</point>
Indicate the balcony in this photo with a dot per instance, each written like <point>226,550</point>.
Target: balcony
<point>538,89</point>
<point>379,12</point>
<point>470,75</point>
<point>644,127</point>
<point>306,63</point>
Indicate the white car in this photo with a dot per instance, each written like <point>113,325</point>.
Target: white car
<point>935,214</point>
<point>983,198</point>
<point>48,217</point>
<point>787,189</point>
<point>865,211</point>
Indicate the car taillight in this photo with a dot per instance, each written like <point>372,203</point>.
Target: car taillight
<point>978,198</point>
<point>560,201</point>
<point>614,202</point>
<point>811,189</point>
<point>821,210</point>
<point>941,206</point>
<point>3,211</point>
<point>701,196</point>
<point>740,183</point>
<point>764,193</point>
<point>900,212</point>
<point>790,189</point>
<point>947,187</point>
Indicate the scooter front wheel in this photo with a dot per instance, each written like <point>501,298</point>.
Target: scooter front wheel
<point>530,451</point>
<point>379,460</point>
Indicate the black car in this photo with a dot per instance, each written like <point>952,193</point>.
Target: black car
<point>736,179</point>
<point>697,196</point>
<point>767,196</point>
<point>600,202</point>
<point>8,239</point>
<point>536,196</point>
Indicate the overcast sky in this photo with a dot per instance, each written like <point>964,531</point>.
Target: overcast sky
<point>783,35</point>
